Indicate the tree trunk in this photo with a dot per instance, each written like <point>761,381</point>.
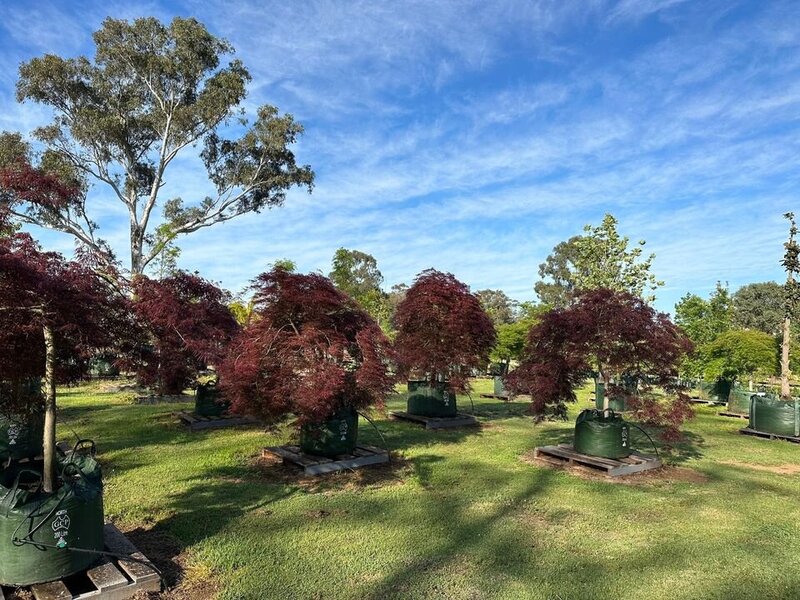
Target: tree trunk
<point>786,391</point>
<point>750,383</point>
<point>49,441</point>
<point>137,250</point>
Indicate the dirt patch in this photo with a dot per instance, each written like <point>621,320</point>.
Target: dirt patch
<point>665,474</point>
<point>785,469</point>
<point>273,470</point>
<point>184,580</point>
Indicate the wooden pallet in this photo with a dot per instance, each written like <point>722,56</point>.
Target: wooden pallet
<point>733,414</point>
<point>460,420</point>
<point>769,436</point>
<point>707,402</point>
<point>362,456</point>
<point>197,422</point>
<point>564,454</point>
<point>502,397</point>
<point>110,579</point>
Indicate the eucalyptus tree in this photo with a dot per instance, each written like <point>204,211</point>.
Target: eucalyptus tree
<point>122,118</point>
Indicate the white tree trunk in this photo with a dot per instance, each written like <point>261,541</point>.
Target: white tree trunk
<point>49,441</point>
<point>786,391</point>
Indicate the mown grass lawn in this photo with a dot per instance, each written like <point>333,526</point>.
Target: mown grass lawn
<point>462,515</point>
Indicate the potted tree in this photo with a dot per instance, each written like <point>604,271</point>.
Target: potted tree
<point>613,334</point>
<point>313,352</point>
<point>189,323</point>
<point>781,415</point>
<point>51,522</point>
<point>443,334</point>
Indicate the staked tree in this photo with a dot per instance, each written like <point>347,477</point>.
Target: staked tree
<point>189,325</point>
<point>442,330</point>
<point>122,118</point>
<point>613,333</point>
<point>791,263</point>
<point>600,258</point>
<point>311,351</point>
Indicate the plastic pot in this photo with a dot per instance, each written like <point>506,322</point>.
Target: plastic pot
<point>39,530</point>
<point>499,387</point>
<point>599,434</point>
<point>431,400</point>
<point>716,391</point>
<point>338,435</point>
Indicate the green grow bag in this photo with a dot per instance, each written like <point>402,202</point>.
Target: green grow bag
<point>499,388</point>
<point>717,391</point>
<point>21,436</point>
<point>598,434</point>
<point>208,401</point>
<point>615,404</point>
<point>772,415</point>
<point>47,526</point>
<point>739,400</point>
<point>338,435</point>
<point>427,400</point>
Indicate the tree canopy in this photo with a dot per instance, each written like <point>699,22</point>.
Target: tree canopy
<point>356,273</point>
<point>790,262</point>
<point>736,354</point>
<point>121,119</point>
<point>613,333</point>
<point>311,351</point>
<point>500,308</point>
<point>442,330</point>
<point>759,306</point>
<point>600,258</point>
<point>189,325</point>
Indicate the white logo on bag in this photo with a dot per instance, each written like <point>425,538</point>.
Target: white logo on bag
<point>13,433</point>
<point>343,430</point>
<point>61,528</point>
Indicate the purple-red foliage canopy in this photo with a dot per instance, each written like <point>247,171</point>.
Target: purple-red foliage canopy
<point>310,350</point>
<point>614,334</point>
<point>41,288</point>
<point>189,325</point>
<point>442,330</point>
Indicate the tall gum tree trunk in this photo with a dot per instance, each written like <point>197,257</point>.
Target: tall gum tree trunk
<point>49,441</point>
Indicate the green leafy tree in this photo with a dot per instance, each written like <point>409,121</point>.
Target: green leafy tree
<point>759,306</point>
<point>600,258</point>
<point>703,321</point>
<point>121,119</point>
<point>500,308</point>
<point>736,354</point>
<point>356,274</point>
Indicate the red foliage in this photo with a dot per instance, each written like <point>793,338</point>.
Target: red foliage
<point>189,325</point>
<point>22,183</point>
<point>38,288</point>
<point>442,330</point>
<point>614,333</point>
<point>310,350</point>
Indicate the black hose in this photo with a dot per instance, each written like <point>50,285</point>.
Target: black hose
<point>383,439</point>
<point>648,437</point>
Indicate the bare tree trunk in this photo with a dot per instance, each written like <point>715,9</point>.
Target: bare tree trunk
<point>786,391</point>
<point>49,441</point>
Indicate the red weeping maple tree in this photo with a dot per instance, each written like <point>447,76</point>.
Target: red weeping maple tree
<point>189,325</point>
<point>442,330</point>
<point>53,313</point>
<point>310,350</point>
<point>613,334</point>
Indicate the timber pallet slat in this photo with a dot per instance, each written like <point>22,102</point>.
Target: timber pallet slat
<point>769,436</point>
<point>460,420</point>
<point>363,456</point>
<point>707,402</point>
<point>111,579</point>
<point>195,422</point>
<point>503,397</point>
<point>566,454</point>
<point>733,414</point>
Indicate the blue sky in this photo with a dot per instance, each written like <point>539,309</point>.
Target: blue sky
<point>474,136</point>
